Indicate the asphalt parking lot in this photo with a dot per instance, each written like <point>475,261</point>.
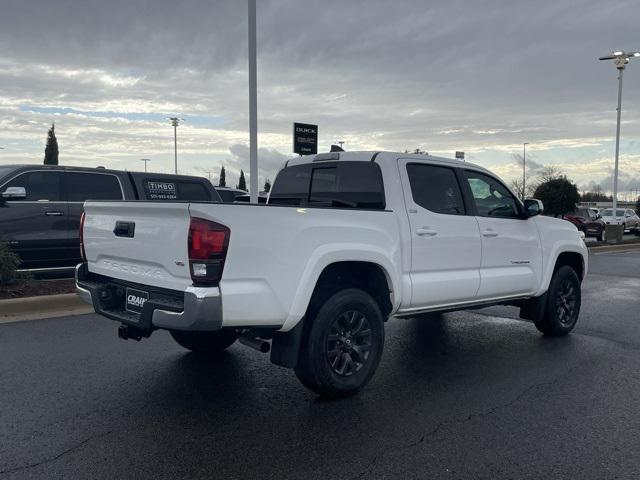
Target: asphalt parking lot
<point>464,395</point>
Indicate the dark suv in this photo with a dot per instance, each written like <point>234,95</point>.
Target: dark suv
<point>588,221</point>
<point>41,205</point>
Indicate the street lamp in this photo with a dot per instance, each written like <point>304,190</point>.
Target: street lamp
<point>620,59</point>
<point>175,121</point>
<point>145,160</point>
<point>524,168</point>
<point>253,101</point>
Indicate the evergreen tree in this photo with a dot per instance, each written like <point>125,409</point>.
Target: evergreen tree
<point>267,185</point>
<point>242,184</point>
<point>51,150</point>
<point>559,196</point>
<point>223,178</point>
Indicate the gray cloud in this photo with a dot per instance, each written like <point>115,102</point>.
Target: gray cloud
<point>477,76</point>
<point>627,185</point>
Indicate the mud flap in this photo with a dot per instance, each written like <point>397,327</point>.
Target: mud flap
<point>285,346</point>
<point>534,308</point>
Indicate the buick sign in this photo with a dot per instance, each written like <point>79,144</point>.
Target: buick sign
<point>305,139</point>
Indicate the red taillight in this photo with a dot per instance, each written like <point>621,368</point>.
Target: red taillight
<point>208,242</point>
<point>83,255</point>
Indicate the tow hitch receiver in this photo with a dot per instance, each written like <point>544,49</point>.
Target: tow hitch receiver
<point>127,332</point>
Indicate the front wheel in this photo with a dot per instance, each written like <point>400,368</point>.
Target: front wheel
<point>205,342</point>
<point>563,303</point>
<point>342,347</point>
<point>600,237</point>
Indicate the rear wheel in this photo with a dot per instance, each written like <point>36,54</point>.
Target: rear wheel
<point>205,342</point>
<point>563,303</point>
<point>342,347</point>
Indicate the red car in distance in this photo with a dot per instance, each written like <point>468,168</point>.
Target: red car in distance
<point>588,221</point>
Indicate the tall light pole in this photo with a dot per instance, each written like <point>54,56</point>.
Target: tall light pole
<point>620,59</point>
<point>145,160</point>
<point>175,121</point>
<point>253,103</point>
<point>524,169</point>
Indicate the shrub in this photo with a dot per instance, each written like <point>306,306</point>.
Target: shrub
<point>9,262</point>
<point>559,196</point>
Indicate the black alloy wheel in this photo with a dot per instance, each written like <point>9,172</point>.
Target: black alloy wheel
<point>566,299</point>
<point>349,343</point>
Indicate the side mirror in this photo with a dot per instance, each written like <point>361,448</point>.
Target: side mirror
<point>14,193</point>
<point>533,207</point>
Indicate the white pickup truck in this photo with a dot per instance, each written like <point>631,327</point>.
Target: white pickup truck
<point>346,241</point>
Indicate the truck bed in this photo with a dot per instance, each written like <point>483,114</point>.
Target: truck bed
<point>273,252</point>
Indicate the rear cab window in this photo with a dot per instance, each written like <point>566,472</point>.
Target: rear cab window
<point>354,184</point>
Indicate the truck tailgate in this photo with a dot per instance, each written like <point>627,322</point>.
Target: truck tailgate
<point>150,246</point>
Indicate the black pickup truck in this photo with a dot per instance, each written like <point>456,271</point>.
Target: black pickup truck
<point>41,205</point>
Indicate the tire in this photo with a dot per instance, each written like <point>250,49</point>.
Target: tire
<point>624,227</point>
<point>563,303</point>
<point>342,346</point>
<point>600,237</point>
<point>205,342</point>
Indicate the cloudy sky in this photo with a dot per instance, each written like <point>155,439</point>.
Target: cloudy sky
<point>479,76</point>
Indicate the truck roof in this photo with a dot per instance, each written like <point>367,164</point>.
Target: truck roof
<point>30,166</point>
<point>368,156</point>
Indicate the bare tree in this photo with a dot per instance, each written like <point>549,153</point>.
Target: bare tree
<point>516,186</point>
<point>548,173</point>
<point>417,151</point>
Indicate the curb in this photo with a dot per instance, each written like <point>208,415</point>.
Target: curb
<point>44,306</point>
<point>615,247</point>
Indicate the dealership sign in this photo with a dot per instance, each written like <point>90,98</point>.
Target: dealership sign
<point>460,155</point>
<point>305,139</point>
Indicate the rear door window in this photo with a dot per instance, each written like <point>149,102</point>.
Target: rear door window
<point>40,186</point>
<point>435,188</point>
<point>80,186</point>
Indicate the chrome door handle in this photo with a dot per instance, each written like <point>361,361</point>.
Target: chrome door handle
<point>426,232</point>
<point>489,233</point>
<point>53,214</point>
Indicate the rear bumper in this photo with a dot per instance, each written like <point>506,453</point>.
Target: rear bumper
<point>194,309</point>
